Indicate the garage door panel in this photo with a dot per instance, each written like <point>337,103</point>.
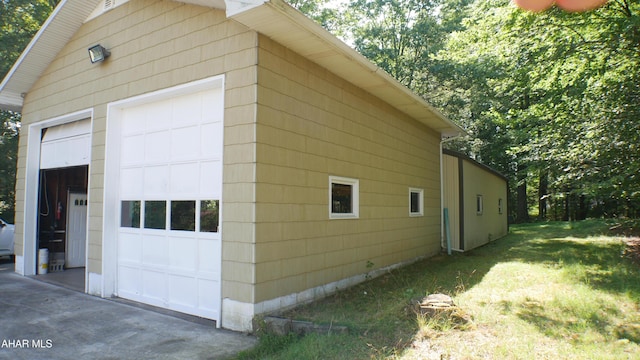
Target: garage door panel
<point>130,184</point>
<point>129,280</point>
<point>185,143</point>
<point>153,284</point>
<point>187,110</point>
<point>154,250</point>
<point>183,253</point>
<point>210,135</point>
<point>65,152</point>
<point>184,178</point>
<point>157,117</point>
<point>207,250</point>
<point>131,123</point>
<point>156,147</point>
<point>212,105</point>
<point>130,247</point>
<point>181,289</point>
<point>155,184</point>
<point>210,173</point>
<point>178,146</point>
<point>132,152</point>
<point>208,293</point>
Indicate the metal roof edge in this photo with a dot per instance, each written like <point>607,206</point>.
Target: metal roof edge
<point>475,162</point>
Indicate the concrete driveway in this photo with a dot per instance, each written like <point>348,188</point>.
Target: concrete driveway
<point>43,321</point>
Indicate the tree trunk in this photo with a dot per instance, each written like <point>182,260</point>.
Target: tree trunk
<point>523,210</point>
<point>582,208</point>
<point>542,196</point>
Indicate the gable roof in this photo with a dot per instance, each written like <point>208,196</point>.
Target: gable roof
<point>275,19</point>
<point>56,31</point>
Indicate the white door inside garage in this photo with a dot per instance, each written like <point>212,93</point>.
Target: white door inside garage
<point>170,184</point>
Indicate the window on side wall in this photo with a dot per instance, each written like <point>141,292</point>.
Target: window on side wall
<point>479,205</point>
<point>499,206</point>
<point>343,198</point>
<point>416,202</point>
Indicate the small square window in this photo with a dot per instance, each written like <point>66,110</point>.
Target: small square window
<point>343,198</point>
<point>183,215</point>
<point>416,200</point>
<point>155,214</point>
<point>130,214</point>
<point>479,205</point>
<point>209,215</point>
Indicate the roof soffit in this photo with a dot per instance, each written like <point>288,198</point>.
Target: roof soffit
<point>57,30</point>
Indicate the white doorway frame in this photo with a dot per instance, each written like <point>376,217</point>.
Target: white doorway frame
<point>26,263</point>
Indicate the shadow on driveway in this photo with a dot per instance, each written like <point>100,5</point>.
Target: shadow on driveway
<point>43,321</point>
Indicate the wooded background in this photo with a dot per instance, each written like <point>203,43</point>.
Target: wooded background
<point>551,99</point>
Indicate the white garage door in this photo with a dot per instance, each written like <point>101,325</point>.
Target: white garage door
<point>168,250</point>
<point>66,145</point>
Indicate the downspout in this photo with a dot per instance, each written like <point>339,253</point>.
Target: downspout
<point>442,239</point>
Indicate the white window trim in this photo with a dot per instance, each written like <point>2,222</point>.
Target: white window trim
<point>355,197</point>
<point>420,193</point>
<point>479,204</point>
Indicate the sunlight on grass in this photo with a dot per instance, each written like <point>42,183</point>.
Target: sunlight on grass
<point>546,291</point>
<point>563,298</point>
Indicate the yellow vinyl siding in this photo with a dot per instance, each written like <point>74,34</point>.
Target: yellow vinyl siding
<point>154,45</point>
<point>470,229</point>
<point>490,225</point>
<point>311,125</point>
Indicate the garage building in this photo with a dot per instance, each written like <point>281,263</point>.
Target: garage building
<point>223,158</point>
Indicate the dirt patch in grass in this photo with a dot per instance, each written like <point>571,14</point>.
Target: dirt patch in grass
<point>631,231</point>
<point>632,249</point>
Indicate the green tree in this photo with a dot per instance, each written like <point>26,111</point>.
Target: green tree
<point>551,99</point>
<point>19,21</point>
<point>324,12</point>
<point>8,160</point>
<point>564,87</point>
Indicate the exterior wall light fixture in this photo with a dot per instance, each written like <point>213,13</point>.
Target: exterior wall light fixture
<point>97,53</point>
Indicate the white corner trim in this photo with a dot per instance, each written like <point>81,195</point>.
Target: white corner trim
<point>94,285</point>
<point>235,7</point>
<point>237,315</point>
<point>19,265</point>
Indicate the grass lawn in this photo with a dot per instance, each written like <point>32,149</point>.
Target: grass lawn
<point>546,291</point>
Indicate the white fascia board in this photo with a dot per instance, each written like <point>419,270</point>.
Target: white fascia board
<point>235,7</point>
<point>16,66</point>
<point>11,101</point>
<point>56,31</point>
